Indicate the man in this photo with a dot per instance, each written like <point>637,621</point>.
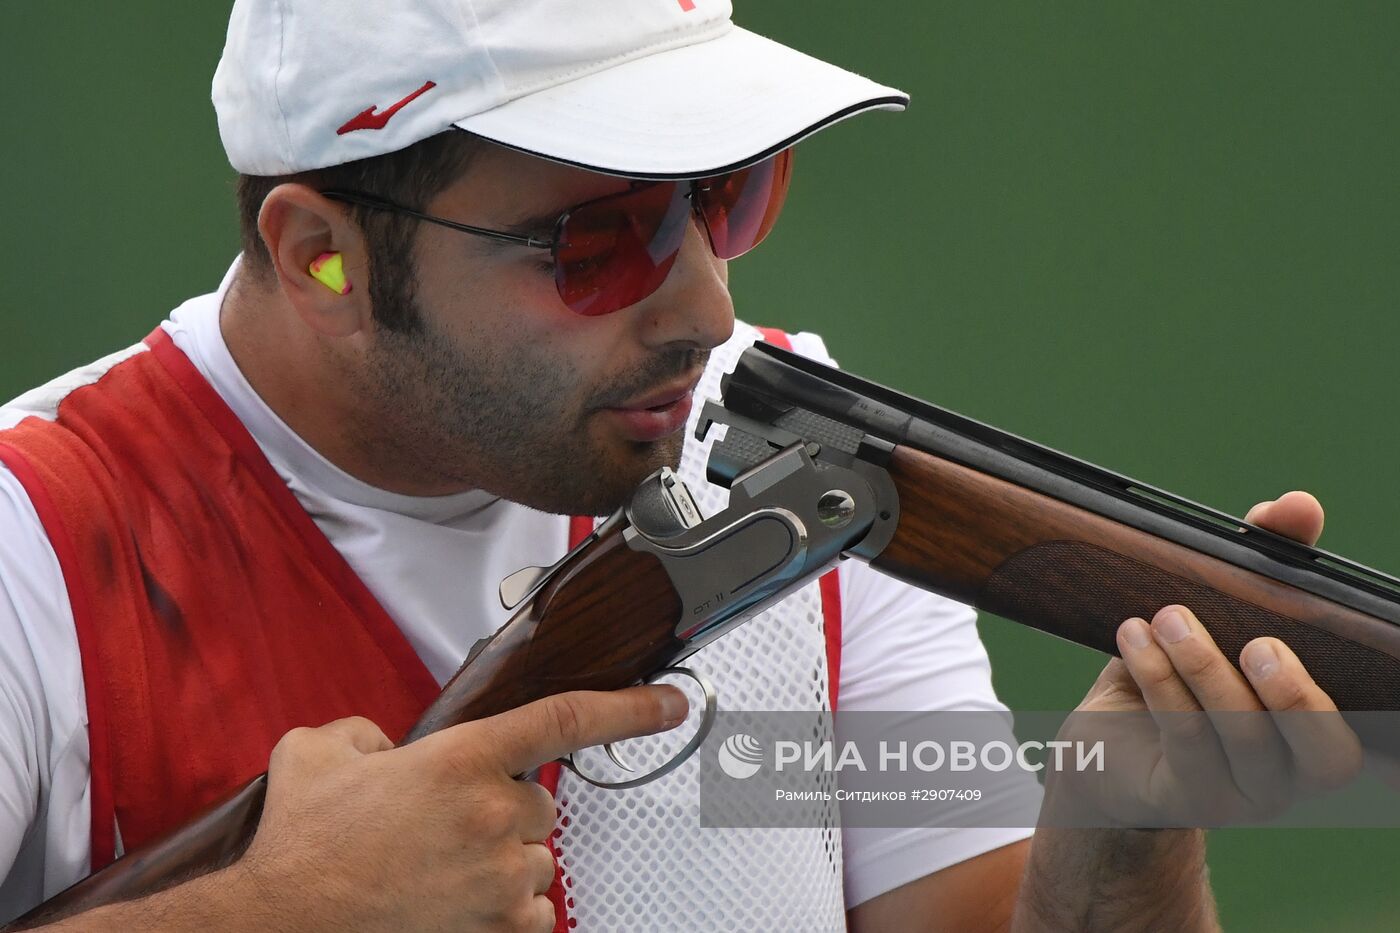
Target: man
<point>293,502</point>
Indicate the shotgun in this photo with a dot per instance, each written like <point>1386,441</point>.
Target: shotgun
<point>823,466</point>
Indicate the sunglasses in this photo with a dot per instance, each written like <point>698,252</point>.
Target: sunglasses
<point>612,252</point>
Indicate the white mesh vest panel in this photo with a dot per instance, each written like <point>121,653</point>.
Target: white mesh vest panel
<point>637,860</point>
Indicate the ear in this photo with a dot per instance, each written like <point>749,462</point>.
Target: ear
<point>298,224</point>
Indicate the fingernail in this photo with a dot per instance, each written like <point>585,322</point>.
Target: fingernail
<point>1260,660</point>
<point>673,706</point>
<point>1135,633</point>
<point>1171,626</point>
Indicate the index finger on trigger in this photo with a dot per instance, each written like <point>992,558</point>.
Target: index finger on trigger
<point>539,732</point>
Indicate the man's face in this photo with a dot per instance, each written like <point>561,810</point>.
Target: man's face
<point>504,388</point>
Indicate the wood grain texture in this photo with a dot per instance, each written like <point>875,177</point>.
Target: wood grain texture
<point>607,619</point>
<point>1039,561</point>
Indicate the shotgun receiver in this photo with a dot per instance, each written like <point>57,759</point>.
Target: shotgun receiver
<point>822,466</point>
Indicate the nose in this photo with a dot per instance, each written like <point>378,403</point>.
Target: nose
<point>692,307</point>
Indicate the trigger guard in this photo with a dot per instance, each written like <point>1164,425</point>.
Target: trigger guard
<point>707,721</point>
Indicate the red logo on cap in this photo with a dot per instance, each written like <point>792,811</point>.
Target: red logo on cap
<point>687,5</point>
<point>369,120</point>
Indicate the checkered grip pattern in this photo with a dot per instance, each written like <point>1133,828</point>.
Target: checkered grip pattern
<point>1083,592</point>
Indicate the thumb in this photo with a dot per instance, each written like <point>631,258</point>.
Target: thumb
<point>528,736</point>
<point>1297,515</point>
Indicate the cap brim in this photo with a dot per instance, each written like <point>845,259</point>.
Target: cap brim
<point>687,112</point>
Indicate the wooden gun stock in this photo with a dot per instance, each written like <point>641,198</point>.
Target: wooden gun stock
<point>604,621</point>
<point>1065,570</point>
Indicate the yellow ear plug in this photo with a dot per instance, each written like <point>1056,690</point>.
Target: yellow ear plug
<point>329,270</point>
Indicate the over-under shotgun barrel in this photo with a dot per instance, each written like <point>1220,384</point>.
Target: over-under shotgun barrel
<point>1041,538</point>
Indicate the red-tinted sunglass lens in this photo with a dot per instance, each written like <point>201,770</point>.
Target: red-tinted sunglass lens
<point>741,208</point>
<point>613,252</point>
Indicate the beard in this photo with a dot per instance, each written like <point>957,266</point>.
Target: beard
<point>518,422</point>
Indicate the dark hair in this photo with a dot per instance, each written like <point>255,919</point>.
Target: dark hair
<point>411,177</point>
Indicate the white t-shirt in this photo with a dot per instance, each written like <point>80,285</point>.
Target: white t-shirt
<point>902,649</point>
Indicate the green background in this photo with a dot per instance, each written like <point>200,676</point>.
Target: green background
<point>1158,236</point>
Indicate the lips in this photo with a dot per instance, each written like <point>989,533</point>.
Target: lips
<point>657,414</point>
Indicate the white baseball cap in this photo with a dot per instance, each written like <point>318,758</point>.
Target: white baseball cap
<point>642,88</point>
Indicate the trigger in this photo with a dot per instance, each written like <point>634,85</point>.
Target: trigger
<point>616,757</point>
<point>707,721</point>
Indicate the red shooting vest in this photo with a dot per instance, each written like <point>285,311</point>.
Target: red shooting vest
<point>212,614</point>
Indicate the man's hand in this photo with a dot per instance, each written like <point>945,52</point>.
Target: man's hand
<point>1201,770</point>
<point>436,835</point>
<point>1226,768</point>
